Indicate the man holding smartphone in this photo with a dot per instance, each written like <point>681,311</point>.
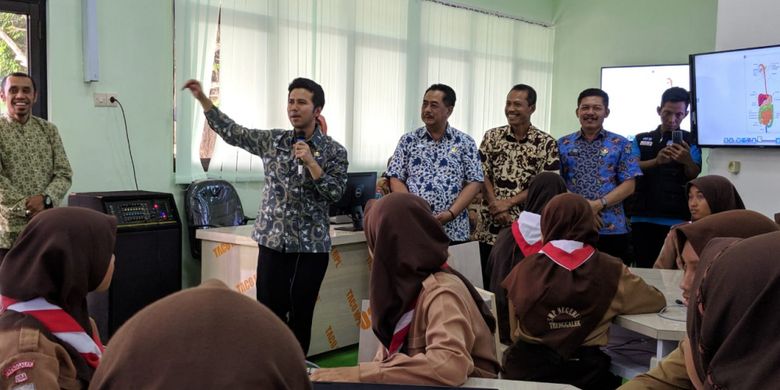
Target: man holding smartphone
<point>668,159</point>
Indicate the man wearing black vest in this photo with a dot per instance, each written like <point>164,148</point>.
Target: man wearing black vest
<point>668,159</point>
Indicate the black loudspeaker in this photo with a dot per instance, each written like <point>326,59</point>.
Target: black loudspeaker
<point>148,253</point>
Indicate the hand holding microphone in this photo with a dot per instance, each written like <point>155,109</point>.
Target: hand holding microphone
<point>301,150</point>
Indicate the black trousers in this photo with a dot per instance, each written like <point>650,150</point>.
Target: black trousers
<point>484,255</point>
<point>618,245</point>
<point>648,238</point>
<point>288,283</point>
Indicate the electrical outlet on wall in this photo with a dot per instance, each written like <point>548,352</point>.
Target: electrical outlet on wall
<point>104,99</point>
<point>100,99</point>
<point>109,99</point>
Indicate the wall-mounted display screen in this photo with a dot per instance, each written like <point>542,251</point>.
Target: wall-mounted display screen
<point>635,93</point>
<point>734,93</point>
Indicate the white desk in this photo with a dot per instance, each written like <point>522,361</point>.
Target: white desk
<point>666,332</point>
<point>230,255</point>
<point>505,384</point>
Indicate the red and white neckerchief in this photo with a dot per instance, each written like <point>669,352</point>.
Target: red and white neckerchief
<point>568,254</point>
<point>401,331</point>
<point>404,324</point>
<point>527,231</point>
<point>60,324</point>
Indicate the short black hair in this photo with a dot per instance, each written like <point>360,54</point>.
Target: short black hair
<point>676,95</point>
<point>449,93</point>
<point>594,92</point>
<point>530,92</point>
<point>318,95</point>
<point>18,74</point>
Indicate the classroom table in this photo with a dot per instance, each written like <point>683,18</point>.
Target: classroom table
<point>505,384</point>
<point>230,255</point>
<point>664,330</point>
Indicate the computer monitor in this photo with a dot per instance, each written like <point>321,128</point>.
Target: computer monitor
<point>361,186</point>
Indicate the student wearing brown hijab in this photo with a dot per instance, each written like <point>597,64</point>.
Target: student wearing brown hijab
<point>732,328</point>
<point>522,238</point>
<point>47,339</point>
<point>694,237</point>
<point>563,298</point>
<point>207,337</point>
<point>433,326</point>
<point>707,195</point>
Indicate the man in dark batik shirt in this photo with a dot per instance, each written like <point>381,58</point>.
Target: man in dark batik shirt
<point>305,171</point>
<point>511,156</point>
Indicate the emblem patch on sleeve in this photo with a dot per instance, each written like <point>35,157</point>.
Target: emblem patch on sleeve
<point>12,368</point>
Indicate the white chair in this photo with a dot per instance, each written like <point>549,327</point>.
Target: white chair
<point>464,258</point>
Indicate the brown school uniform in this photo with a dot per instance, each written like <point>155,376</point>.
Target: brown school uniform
<point>732,322</point>
<point>448,340</point>
<point>721,195</point>
<point>61,255</point>
<point>671,373</point>
<point>433,326</point>
<point>29,355</point>
<point>564,298</point>
<point>519,240</point>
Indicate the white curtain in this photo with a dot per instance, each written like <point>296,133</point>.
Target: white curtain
<point>196,33</point>
<point>374,59</point>
<point>481,60</point>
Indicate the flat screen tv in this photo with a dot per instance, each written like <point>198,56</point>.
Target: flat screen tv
<point>733,97</point>
<point>635,93</point>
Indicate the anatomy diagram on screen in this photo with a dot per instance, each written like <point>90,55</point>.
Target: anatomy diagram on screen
<point>765,106</point>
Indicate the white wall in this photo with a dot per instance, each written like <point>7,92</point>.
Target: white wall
<point>749,23</point>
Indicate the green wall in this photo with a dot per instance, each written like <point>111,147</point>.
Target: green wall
<point>136,63</point>
<point>590,34</point>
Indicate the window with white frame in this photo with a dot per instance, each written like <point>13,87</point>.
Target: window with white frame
<point>374,59</point>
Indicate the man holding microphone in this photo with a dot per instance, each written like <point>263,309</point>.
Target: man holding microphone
<point>305,171</point>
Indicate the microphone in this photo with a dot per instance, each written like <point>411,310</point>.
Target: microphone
<point>299,136</point>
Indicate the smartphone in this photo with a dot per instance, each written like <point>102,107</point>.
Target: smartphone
<point>677,137</point>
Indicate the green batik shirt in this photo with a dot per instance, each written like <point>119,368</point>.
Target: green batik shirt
<point>32,162</point>
<point>293,215</point>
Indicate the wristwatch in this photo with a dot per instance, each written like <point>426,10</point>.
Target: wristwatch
<point>47,202</point>
<point>604,202</point>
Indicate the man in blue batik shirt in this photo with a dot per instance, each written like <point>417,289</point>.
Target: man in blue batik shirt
<point>439,164</point>
<point>601,166</point>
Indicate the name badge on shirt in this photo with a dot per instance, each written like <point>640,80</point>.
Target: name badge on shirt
<point>647,141</point>
<point>574,153</point>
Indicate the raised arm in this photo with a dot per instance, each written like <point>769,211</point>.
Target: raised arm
<point>252,140</point>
